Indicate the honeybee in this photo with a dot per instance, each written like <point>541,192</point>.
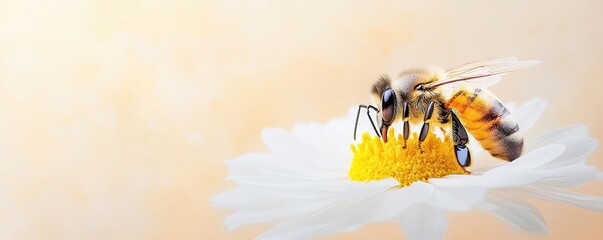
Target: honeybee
<point>455,100</point>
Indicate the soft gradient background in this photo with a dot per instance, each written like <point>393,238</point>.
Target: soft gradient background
<point>116,116</point>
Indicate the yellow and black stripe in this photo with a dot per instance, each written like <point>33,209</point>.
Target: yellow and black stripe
<point>488,121</point>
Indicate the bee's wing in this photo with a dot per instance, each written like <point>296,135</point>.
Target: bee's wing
<point>483,73</point>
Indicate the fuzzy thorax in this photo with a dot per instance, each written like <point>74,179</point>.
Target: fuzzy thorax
<point>375,160</point>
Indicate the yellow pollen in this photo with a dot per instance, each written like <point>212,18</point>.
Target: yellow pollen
<point>375,160</point>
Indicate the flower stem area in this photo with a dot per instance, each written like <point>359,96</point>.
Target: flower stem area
<point>375,159</point>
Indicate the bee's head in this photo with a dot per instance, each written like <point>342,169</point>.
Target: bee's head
<point>414,84</point>
<point>387,100</point>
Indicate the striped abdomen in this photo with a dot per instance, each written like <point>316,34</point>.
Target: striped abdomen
<point>488,121</point>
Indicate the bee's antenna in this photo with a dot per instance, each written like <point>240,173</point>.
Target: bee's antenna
<point>368,113</point>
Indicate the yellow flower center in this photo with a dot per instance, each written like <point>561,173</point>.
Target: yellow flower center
<point>375,160</point>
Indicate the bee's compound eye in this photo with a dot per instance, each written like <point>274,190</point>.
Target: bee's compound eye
<point>388,105</point>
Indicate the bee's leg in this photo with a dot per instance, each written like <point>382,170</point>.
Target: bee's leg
<point>405,116</point>
<point>460,139</point>
<point>368,113</point>
<point>425,128</point>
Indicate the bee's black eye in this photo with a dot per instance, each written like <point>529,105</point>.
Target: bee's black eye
<point>388,105</point>
<point>420,87</point>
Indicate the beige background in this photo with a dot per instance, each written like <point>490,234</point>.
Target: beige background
<point>116,116</point>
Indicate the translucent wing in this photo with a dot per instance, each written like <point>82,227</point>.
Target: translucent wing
<point>482,73</point>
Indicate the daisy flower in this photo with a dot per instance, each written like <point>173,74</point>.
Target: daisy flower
<point>313,184</point>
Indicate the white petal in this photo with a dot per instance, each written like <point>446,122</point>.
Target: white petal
<point>457,198</point>
<point>578,145</point>
<point>516,212</point>
<point>396,200</point>
<point>578,199</point>
<point>280,210</point>
<point>280,141</point>
<point>511,106</point>
<point>277,167</point>
<point>528,113</point>
<point>484,163</point>
<point>568,176</point>
<point>333,139</point>
<point>255,204</point>
<point>560,135</point>
<point>472,180</point>
<point>374,203</point>
<point>529,161</point>
<point>512,179</point>
<point>576,152</point>
<point>300,191</point>
<point>424,222</point>
<point>291,151</point>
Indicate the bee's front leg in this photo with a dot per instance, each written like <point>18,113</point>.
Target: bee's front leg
<point>460,139</point>
<point>425,128</point>
<point>405,118</point>
<point>368,113</point>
